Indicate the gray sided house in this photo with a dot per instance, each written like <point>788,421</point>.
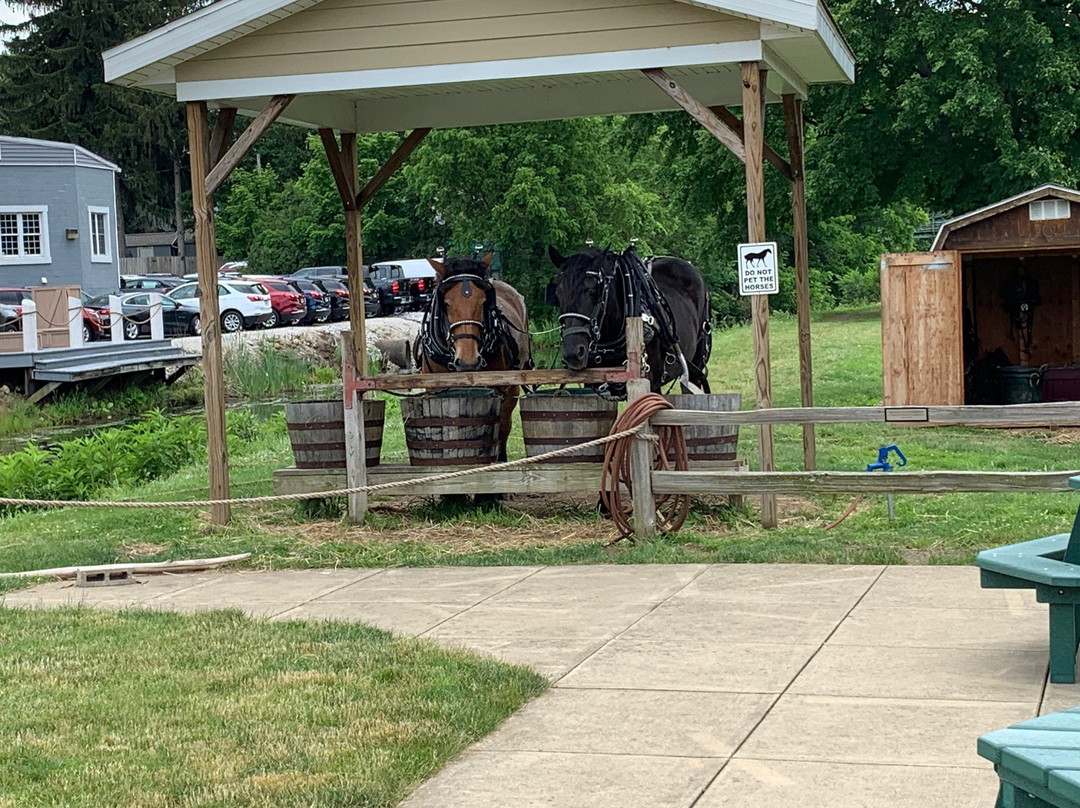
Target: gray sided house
<point>58,222</point>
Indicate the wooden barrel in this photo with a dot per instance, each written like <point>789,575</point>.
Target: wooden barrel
<point>551,421</point>
<point>317,432</point>
<point>710,442</point>
<point>458,429</point>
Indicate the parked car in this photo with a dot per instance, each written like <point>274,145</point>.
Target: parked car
<point>403,285</point>
<point>13,296</point>
<point>338,295</point>
<point>178,319</point>
<point>233,267</point>
<point>312,273</point>
<point>288,303</point>
<point>155,283</point>
<point>371,300</point>
<point>318,305</point>
<point>93,326</point>
<point>9,318</point>
<point>242,304</point>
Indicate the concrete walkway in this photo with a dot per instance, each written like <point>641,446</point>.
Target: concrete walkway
<point>743,686</point>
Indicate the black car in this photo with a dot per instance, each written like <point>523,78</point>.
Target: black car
<point>318,305</point>
<point>338,295</point>
<point>178,319</point>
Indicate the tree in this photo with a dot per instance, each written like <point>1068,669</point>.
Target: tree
<point>52,87</point>
<point>957,103</point>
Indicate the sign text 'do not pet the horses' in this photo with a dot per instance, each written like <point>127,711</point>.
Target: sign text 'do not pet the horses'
<point>758,269</point>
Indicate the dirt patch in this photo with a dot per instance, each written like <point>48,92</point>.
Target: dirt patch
<point>1063,437</point>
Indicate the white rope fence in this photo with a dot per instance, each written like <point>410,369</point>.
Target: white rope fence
<point>369,489</point>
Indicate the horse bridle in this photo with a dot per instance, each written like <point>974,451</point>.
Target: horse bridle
<point>439,338</point>
<point>594,322</point>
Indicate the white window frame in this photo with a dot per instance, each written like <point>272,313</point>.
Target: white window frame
<point>22,259</point>
<point>95,257</point>
<point>1047,210</point>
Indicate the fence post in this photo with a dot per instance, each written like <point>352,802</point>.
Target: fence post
<point>355,449</point>
<point>29,326</point>
<point>116,319</point>
<point>157,318</point>
<point>642,449</point>
<point>75,322</point>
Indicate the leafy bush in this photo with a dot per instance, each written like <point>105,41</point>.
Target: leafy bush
<point>155,446</point>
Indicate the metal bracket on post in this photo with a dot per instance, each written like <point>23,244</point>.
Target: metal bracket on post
<point>355,448</point>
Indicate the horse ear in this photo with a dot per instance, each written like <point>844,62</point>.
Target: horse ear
<point>555,257</point>
<point>438,267</point>
<point>487,259</point>
<point>552,294</point>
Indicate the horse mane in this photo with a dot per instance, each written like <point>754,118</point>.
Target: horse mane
<point>575,266</point>
<point>460,265</point>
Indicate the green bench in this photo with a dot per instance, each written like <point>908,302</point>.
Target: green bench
<point>1050,566</point>
<point>1037,761</point>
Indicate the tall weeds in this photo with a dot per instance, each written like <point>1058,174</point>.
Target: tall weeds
<point>265,371</point>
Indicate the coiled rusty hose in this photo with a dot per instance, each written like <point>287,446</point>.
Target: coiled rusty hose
<point>669,453</point>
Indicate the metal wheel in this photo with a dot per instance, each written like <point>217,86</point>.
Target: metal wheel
<point>131,330</point>
<point>274,320</point>
<point>231,321</point>
<point>195,326</point>
<point>87,334</point>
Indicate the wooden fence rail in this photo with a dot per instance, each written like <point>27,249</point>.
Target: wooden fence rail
<point>843,482</point>
<point>1015,415</point>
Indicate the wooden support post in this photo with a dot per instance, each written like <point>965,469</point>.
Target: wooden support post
<point>355,447</point>
<point>354,258</point>
<point>754,132</point>
<point>642,451</point>
<point>793,123</point>
<point>206,262</point>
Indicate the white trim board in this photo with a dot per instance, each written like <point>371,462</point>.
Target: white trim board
<point>433,75</point>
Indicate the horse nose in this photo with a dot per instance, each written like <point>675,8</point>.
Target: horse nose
<point>582,351</point>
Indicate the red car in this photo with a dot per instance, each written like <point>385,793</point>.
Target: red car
<point>288,305</point>
<point>93,328</point>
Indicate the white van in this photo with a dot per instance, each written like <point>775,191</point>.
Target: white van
<point>404,285</point>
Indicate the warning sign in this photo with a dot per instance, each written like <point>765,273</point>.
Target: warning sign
<point>758,273</point>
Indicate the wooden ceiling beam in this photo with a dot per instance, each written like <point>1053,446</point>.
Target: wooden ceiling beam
<point>701,113</point>
<point>771,155</point>
<point>334,155</point>
<point>238,151</point>
<point>221,139</point>
<point>407,147</point>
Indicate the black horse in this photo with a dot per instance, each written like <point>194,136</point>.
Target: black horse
<point>596,290</point>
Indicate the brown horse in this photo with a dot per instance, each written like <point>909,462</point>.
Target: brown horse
<point>474,323</point>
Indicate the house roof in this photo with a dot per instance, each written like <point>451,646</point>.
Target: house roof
<point>1048,191</point>
<point>369,66</point>
<point>21,151</point>
<point>132,240</point>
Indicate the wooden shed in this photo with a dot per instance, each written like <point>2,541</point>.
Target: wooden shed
<point>992,314</point>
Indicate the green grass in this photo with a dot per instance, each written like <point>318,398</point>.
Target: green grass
<point>847,355</point>
<point>154,709</point>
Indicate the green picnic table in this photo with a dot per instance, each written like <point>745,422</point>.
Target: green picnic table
<point>1050,566</point>
<point>1037,761</point>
